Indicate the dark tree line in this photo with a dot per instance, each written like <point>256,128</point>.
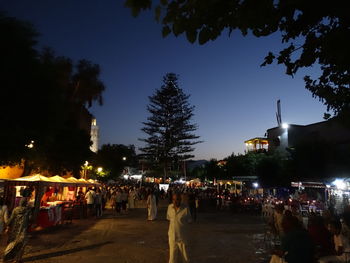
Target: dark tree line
<point>113,158</point>
<point>44,100</point>
<point>309,160</point>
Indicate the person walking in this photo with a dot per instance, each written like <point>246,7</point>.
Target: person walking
<point>90,201</point>
<point>18,236</point>
<point>179,216</point>
<point>118,201</point>
<point>152,206</point>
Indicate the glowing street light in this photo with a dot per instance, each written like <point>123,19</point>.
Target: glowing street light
<point>340,184</point>
<point>285,125</point>
<point>30,145</point>
<point>124,158</point>
<point>99,169</point>
<point>85,169</point>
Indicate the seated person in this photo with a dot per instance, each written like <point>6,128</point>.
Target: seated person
<point>341,245</point>
<point>296,244</point>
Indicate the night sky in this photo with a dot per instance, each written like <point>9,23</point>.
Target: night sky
<point>235,98</point>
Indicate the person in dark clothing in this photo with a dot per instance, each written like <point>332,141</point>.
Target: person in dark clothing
<point>321,236</point>
<point>192,205</point>
<point>296,244</point>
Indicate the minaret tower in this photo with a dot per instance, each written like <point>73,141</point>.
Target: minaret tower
<point>94,135</point>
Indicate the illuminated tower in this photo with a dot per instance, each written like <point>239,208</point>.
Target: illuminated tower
<point>94,135</point>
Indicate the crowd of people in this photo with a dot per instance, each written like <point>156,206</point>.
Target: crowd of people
<point>321,238</point>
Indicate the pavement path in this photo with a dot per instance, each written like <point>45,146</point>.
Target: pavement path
<point>217,237</point>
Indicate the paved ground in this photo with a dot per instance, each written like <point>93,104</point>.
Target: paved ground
<point>217,237</point>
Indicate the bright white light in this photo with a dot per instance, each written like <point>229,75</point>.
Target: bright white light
<point>255,185</point>
<point>285,125</point>
<point>30,145</point>
<point>136,176</point>
<point>126,177</point>
<point>124,158</point>
<point>164,186</point>
<point>180,181</point>
<point>99,169</point>
<point>86,163</point>
<point>340,184</point>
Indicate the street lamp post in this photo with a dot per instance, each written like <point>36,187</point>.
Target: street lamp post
<point>86,164</point>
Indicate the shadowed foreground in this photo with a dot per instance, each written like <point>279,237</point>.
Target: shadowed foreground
<point>216,237</point>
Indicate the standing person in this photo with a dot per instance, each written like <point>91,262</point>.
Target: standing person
<point>131,198</point>
<point>218,201</point>
<point>98,203</point>
<point>192,205</point>
<point>3,217</point>
<point>170,195</point>
<point>321,236</point>
<point>104,198</point>
<point>80,195</point>
<point>18,237</point>
<point>152,206</point>
<point>112,199</point>
<point>179,216</point>
<point>124,199</point>
<point>90,201</point>
<point>118,201</point>
<point>278,219</point>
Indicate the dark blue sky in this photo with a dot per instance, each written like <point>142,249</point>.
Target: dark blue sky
<point>235,98</point>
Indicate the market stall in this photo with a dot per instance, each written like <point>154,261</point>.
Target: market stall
<point>53,198</point>
<point>310,196</point>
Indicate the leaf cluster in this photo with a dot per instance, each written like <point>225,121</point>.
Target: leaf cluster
<point>315,32</point>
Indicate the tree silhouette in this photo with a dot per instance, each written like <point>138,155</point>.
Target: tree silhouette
<point>169,128</point>
<point>44,99</point>
<point>314,32</point>
<point>114,158</point>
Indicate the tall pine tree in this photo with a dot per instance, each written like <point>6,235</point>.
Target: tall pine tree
<point>170,131</point>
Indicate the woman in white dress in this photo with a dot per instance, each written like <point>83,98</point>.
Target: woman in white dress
<point>152,206</point>
<point>131,199</point>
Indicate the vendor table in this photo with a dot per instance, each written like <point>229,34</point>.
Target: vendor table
<point>49,216</point>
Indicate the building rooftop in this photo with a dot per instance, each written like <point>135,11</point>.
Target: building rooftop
<point>257,140</point>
